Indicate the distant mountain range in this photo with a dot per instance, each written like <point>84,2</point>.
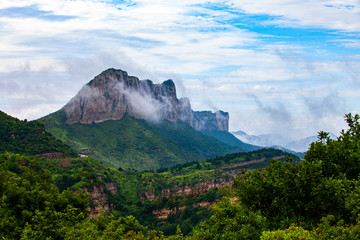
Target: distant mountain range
<point>264,140</point>
<point>278,141</point>
<point>302,145</point>
<point>136,124</point>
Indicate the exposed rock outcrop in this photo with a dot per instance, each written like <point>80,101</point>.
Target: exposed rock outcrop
<point>98,198</point>
<point>197,189</point>
<point>163,213</point>
<point>208,121</point>
<point>113,93</point>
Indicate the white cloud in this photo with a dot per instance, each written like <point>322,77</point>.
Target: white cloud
<point>351,43</point>
<point>327,14</point>
<point>216,61</point>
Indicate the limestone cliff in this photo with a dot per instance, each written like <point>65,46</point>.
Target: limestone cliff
<point>208,121</point>
<point>113,93</point>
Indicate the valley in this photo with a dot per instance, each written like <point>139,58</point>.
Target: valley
<point>162,195</point>
<point>179,120</point>
<point>82,171</point>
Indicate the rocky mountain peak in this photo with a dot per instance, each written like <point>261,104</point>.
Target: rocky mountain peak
<point>113,93</point>
<point>110,78</point>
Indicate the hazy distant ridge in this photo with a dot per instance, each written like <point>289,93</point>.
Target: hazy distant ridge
<point>271,140</point>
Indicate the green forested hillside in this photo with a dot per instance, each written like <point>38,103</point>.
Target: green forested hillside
<point>79,174</point>
<point>137,144</point>
<point>317,198</point>
<point>230,139</point>
<point>282,198</point>
<point>241,160</point>
<point>32,207</point>
<point>28,138</point>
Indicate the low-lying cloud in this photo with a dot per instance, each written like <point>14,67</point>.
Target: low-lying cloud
<point>143,103</point>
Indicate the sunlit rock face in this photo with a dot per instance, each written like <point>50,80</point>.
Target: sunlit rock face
<point>113,93</point>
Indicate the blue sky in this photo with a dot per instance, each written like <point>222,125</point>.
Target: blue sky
<point>277,66</point>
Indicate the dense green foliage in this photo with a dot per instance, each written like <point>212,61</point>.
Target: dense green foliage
<point>231,221</point>
<point>186,220</point>
<point>327,229</point>
<point>253,159</point>
<point>285,198</point>
<point>32,207</point>
<point>85,173</point>
<point>317,198</point>
<point>28,138</point>
<point>342,155</point>
<point>31,204</point>
<point>137,144</point>
<point>219,170</point>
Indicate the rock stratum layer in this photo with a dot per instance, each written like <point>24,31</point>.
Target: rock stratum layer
<point>113,93</point>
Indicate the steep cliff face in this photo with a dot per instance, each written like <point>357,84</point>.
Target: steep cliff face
<point>208,121</point>
<point>99,198</point>
<point>112,94</point>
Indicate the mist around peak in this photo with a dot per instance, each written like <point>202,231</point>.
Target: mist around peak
<point>113,94</point>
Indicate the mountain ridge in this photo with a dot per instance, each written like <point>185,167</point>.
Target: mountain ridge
<point>132,143</point>
<point>30,138</point>
<point>278,141</point>
<point>113,93</point>
<point>135,124</point>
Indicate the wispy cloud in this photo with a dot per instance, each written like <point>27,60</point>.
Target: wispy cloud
<point>32,12</point>
<point>329,105</point>
<point>280,51</point>
<point>335,15</point>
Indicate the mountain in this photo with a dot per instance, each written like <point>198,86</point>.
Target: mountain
<point>46,198</point>
<point>113,94</point>
<point>228,138</point>
<point>130,123</point>
<point>30,138</point>
<point>302,145</point>
<point>278,141</point>
<point>264,140</point>
<point>295,153</point>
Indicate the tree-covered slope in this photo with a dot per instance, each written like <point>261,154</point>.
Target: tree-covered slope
<point>162,200</point>
<point>137,144</point>
<point>316,198</point>
<point>28,138</point>
<point>32,207</point>
<point>228,138</point>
